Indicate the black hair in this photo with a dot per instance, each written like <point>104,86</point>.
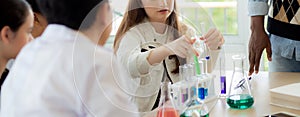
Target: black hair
<point>70,13</point>
<point>34,6</point>
<point>13,13</point>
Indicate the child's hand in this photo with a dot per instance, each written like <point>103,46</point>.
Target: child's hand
<point>213,39</point>
<point>181,47</point>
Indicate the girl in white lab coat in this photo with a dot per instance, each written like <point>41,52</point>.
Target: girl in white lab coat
<point>147,42</point>
<point>15,30</point>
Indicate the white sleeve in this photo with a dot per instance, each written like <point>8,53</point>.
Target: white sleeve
<point>107,94</point>
<point>40,96</point>
<point>258,7</point>
<point>130,55</point>
<point>95,89</point>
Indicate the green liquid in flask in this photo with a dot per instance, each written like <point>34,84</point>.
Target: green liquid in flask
<point>189,114</point>
<point>241,101</point>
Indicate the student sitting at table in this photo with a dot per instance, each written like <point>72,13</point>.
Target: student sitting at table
<point>147,42</point>
<point>15,31</point>
<point>64,73</point>
<point>38,27</point>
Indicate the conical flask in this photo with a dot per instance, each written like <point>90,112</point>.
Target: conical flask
<point>166,107</point>
<point>239,96</point>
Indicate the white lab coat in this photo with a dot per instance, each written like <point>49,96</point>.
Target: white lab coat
<point>64,74</point>
<point>148,77</point>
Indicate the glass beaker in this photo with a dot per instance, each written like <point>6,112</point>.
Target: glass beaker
<point>239,96</point>
<point>180,94</point>
<point>166,106</point>
<point>186,71</point>
<point>195,106</point>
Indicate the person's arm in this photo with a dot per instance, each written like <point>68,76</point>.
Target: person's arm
<point>214,41</point>
<point>259,39</point>
<point>158,55</point>
<point>130,55</point>
<point>110,90</point>
<point>258,7</point>
<point>182,47</point>
<point>139,63</point>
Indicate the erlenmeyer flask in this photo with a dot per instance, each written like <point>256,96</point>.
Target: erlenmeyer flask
<point>166,107</point>
<point>239,96</point>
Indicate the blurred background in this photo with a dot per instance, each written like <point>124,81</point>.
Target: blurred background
<point>229,16</point>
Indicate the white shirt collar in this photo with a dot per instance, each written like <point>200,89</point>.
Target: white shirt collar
<point>57,31</point>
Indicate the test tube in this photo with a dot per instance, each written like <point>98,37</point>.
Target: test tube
<point>191,70</point>
<point>222,74</point>
<point>201,93</point>
<point>184,95</point>
<point>205,85</point>
<point>206,50</point>
<point>183,72</point>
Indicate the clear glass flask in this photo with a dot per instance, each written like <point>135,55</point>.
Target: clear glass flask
<point>166,106</point>
<point>195,107</point>
<point>239,95</point>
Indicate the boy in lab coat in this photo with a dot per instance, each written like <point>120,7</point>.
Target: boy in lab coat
<point>64,73</point>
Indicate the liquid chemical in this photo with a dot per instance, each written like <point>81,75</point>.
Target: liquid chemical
<point>240,101</point>
<point>167,112</point>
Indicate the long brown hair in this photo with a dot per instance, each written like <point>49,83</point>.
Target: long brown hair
<point>135,14</point>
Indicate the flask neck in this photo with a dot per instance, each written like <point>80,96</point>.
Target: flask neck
<point>165,93</point>
<point>238,65</point>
